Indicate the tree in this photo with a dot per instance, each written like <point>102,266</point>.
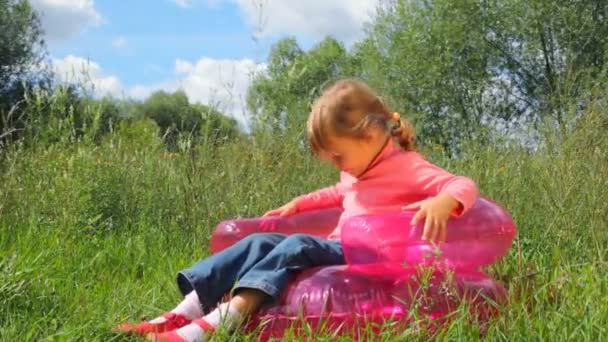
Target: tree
<point>430,60</point>
<point>454,64</point>
<point>22,51</point>
<point>281,97</point>
<point>175,116</point>
<point>21,44</point>
<point>549,50</point>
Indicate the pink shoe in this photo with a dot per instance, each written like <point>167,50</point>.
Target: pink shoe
<point>173,321</point>
<point>173,336</point>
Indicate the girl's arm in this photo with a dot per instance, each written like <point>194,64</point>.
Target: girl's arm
<point>327,197</point>
<point>433,180</point>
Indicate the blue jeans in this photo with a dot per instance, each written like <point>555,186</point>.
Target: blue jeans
<point>261,261</point>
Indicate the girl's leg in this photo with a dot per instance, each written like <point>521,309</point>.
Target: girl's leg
<point>189,308</point>
<point>229,314</point>
<point>263,283</point>
<point>294,254</point>
<point>213,277</point>
<point>204,284</point>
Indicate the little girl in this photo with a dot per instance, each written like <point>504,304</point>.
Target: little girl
<point>352,128</point>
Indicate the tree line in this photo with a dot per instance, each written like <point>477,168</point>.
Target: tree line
<point>458,69</point>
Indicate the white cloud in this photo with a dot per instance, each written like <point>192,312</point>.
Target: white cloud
<point>317,18</point>
<point>141,91</point>
<point>222,83</point>
<point>342,19</point>
<point>74,69</point>
<point>189,3</point>
<point>62,19</point>
<point>183,3</point>
<point>119,42</point>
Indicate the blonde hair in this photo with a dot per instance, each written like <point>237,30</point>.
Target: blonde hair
<point>348,108</point>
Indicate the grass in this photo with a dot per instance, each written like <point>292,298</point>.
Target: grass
<point>92,234</point>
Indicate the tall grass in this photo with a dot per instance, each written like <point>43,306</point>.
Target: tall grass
<point>93,231</point>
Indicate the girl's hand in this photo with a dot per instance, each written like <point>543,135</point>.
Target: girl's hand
<point>286,210</point>
<point>437,211</point>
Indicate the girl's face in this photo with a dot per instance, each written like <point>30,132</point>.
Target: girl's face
<point>354,155</point>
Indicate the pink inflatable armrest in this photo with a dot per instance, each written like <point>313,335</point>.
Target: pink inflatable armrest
<point>477,238</point>
<point>318,223</point>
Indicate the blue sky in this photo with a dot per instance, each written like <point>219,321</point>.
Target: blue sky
<point>130,48</point>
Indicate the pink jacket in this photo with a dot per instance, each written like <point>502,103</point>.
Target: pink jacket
<point>394,178</point>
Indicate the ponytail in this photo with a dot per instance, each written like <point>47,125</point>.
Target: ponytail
<point>403,132</point>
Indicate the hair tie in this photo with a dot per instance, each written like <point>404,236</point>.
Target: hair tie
<point>398,124</point>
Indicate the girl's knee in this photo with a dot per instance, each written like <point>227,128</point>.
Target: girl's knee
<point>263,239</point>
<point>299,239</point>
<point>256,237</point>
